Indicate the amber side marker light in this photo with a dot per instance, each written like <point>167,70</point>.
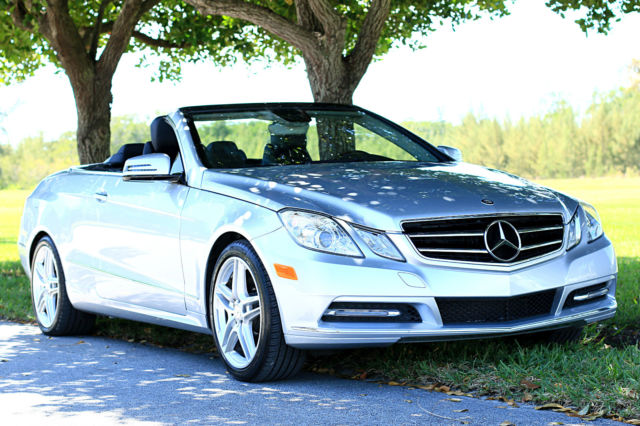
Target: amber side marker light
<point>285,271</point>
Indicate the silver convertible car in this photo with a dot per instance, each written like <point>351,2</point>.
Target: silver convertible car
<point>279,228</point>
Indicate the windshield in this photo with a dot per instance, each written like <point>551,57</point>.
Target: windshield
<point>283,136</point>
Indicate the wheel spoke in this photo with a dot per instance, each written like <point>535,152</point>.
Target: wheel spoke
<point>239,280</point>
<point>230,336</point>
<point>40,272</point>
<point>223,295</point>
<point>51,306</point>
<point>40,304</point>
<point>245,335</point>
<point>250,315</point>
<point>49,267</point>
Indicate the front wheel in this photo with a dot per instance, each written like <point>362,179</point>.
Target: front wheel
<point>245,319</point>
<point>54,312</point>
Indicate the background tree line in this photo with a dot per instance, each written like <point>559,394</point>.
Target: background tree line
<point>560,143</point>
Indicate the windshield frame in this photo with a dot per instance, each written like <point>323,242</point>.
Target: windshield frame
<point>189,112</point>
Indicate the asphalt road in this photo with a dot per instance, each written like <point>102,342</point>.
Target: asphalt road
<point>94,381</point>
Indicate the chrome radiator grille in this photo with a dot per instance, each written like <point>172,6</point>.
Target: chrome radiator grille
<point>487,239</point>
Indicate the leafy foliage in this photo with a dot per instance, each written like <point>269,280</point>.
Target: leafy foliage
<point>171,30</point>
<point>598,14</point>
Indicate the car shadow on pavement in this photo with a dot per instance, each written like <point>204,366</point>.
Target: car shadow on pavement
<point>92,380</point>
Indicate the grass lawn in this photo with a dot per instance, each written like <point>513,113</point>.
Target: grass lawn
<point>600,375</point>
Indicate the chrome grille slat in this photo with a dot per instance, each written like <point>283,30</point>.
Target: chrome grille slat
<point>462,239</point>
<point>451,251</point>
<point>454,234</point>
<point>550,228</point>
<point>550,243</point>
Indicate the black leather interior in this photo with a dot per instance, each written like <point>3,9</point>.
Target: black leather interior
<point>163,137</point>
<point>286,150</point>
<point>125,152</point>
<point>225,155</point>
<point>148,148</point>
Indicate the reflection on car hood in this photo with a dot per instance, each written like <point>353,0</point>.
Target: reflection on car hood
<point>382,194</point>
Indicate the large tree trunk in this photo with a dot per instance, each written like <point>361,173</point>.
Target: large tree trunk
<point>93,106</point>
<point>331,82</point>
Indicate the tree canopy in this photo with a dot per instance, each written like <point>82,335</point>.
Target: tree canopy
<point>598,14</point>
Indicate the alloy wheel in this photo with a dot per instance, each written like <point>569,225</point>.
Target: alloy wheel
<point>46,286</point>
<point>236,312</point>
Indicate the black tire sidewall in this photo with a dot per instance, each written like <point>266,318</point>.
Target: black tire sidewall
<point>243,251</point>
<point>62,291</point>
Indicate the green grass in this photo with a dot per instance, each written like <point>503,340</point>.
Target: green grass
<point>600,371</point>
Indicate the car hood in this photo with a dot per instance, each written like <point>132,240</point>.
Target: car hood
<point>382,194</point>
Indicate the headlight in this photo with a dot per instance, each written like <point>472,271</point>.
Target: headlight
<point>318,232</point>
<point>593,225</point>
<point>379,243</point>
<point>575,230</point>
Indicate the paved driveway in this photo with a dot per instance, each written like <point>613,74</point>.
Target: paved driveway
<point>93,381</point>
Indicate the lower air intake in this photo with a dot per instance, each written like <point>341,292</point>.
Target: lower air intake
<point>475,310</point>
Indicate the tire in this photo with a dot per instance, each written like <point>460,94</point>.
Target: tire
<point>244,317</point>
<point>53,310</point>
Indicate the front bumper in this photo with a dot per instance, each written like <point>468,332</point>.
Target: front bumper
<point>324,279</point>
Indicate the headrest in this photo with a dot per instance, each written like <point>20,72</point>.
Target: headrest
<point>163,137</point>
<point>124,153</point>
<point>225,155</point>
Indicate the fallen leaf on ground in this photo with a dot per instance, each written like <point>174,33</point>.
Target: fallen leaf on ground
<point>507,423</point>
<point>584,410</point>
<point>442,388</point>
<point>426,387</point>
<point>555,423</point>
<point>392,383</point>
<point>529,385</point>
<point>549,406</point>
<point>527,397</point>
<point>634,421</point>
<point>458,393</point>
<point>79,342</point>
<point>454,399</point>
<point>183,375</point>
<point>464,410</point>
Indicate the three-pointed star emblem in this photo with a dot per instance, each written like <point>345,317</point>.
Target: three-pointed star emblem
<point>502,241</point>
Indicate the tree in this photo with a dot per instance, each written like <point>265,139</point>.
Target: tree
<point>338,40</point>
<point>598,14</point>
<point>87,40</point>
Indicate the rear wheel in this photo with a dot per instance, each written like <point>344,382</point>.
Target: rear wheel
<point>54,312</point>
<point>245,319</point>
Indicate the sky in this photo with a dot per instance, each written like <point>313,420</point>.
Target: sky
<point>512,67</point>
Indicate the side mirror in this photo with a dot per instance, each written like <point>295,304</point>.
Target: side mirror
<point>452,152</point>
<point>149,167</point>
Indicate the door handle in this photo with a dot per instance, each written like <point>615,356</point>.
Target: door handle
<point>101,196</point>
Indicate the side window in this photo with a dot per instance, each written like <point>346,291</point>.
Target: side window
<point>177,167</point>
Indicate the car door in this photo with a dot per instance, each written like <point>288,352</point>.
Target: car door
<point>139,244</point>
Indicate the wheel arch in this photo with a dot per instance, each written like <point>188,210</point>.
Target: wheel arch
<point>34,243</point>
<point>216,250</point>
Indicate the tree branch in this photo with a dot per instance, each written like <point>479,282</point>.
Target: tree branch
<point>57,26</point>
<point>142,37</point>
<point>156,42</point>
<point>306,18</point>
<point>18,15</point>
<point>331,21</point>
<point>263,17</point>
<point>96,30</point>
<point>360,57</point>
<point>121,32</point>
